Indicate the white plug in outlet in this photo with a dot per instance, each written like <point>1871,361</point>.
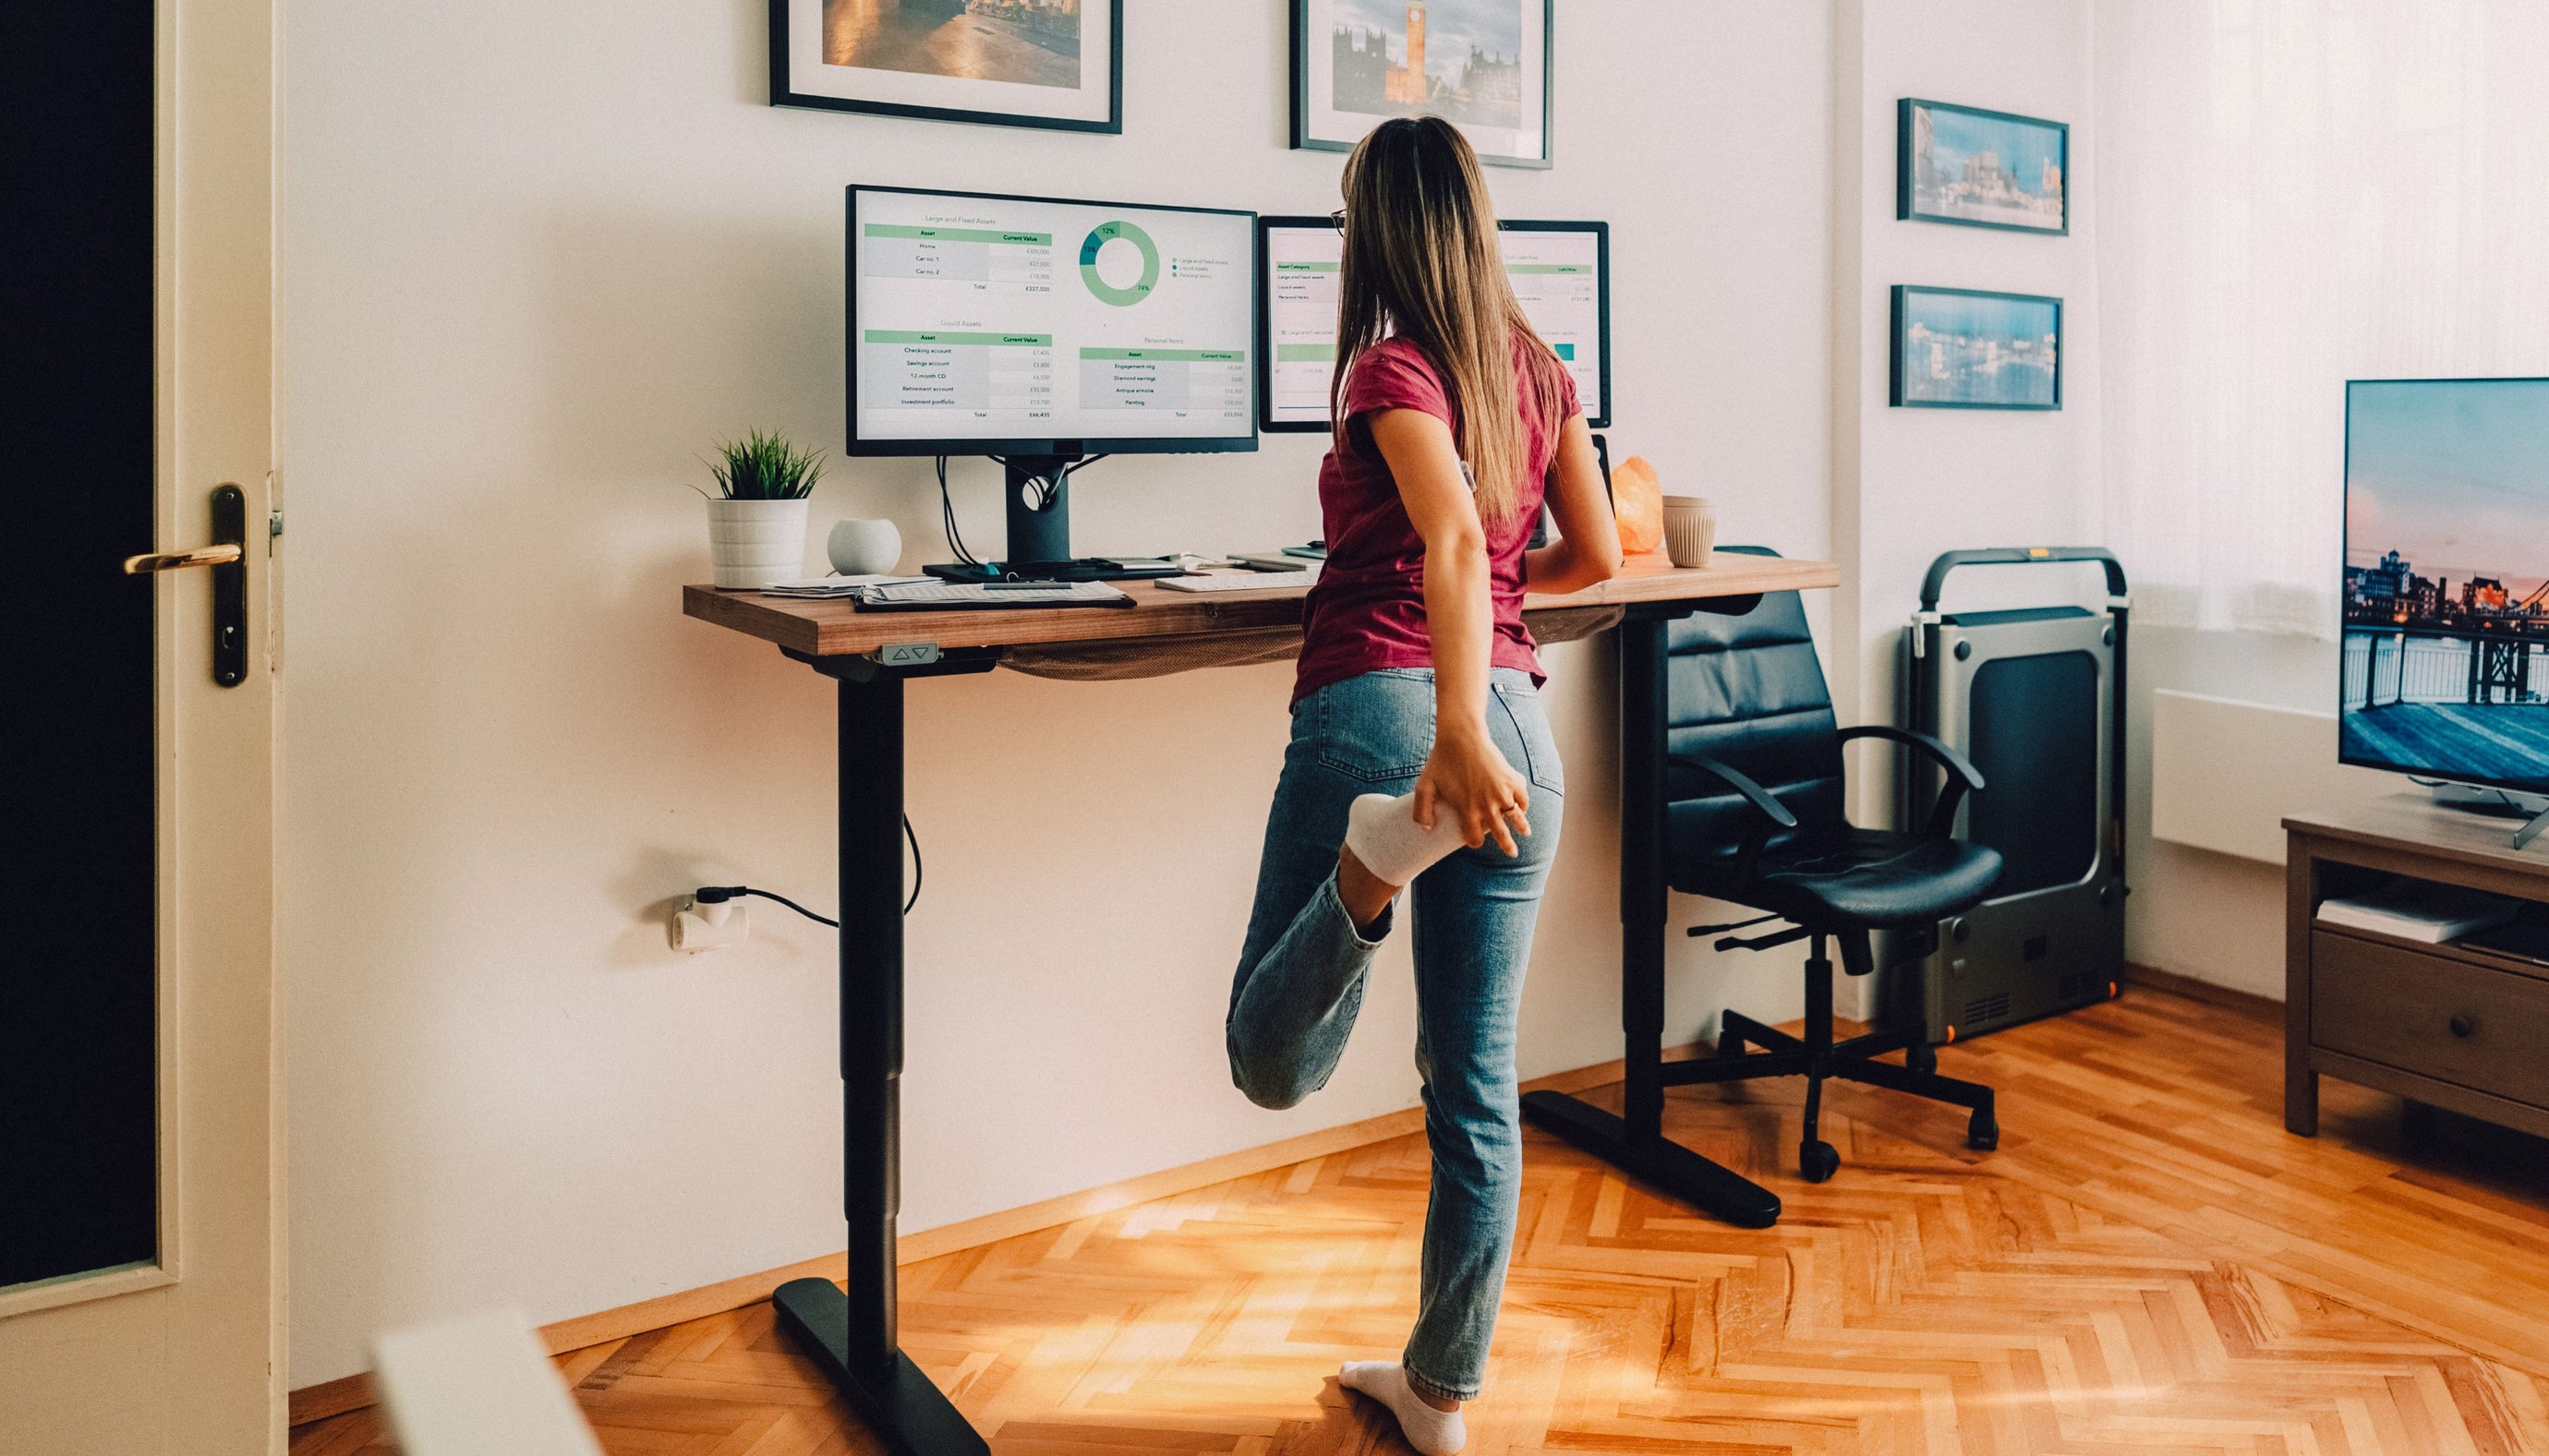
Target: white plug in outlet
<point>697,926</point>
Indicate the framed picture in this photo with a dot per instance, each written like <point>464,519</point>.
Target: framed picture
<point>1482,65</point>
<point>1980,168</point>
<point>1958,348</point>
<point>1056,63</point>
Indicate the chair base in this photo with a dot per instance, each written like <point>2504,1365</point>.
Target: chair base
<point>1854,1061</point>
<point>1655,1159</point>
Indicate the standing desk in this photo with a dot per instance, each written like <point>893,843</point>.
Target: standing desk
<point>852,1334</point>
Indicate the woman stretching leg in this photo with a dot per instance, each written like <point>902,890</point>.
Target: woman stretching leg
<point>1418,740</point>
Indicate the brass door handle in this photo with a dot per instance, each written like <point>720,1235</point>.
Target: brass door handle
<point>169,561</point>
<point>227,557</point>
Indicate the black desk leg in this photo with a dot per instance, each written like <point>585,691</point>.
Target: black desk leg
<point>853,1335</point>
<point>1637,1144</point>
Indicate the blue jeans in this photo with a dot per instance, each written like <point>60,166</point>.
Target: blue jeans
<point>1300,979</point>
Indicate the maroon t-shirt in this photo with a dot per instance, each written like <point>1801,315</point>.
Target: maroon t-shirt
<point>1368,609</point>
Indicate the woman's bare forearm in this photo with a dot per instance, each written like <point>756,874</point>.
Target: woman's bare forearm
<point>1587,548</point>
<point>1562,567</point>
<point>1461,620</point>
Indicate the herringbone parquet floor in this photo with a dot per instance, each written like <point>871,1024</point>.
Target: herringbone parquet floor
<point>2149,1264</point>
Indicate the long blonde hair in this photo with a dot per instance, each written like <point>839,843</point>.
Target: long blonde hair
<point>1422,264</point>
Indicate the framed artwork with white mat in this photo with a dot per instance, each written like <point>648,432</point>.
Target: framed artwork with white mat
<point>1054,63</point>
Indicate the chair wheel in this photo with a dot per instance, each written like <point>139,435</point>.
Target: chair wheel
<point>1817,1161</point>
<point>1922,1058</point>
<point>1982,1132</point>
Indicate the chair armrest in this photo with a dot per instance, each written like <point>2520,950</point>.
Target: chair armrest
<point>1938,753</point>
<point>1963,776</point>
<point>1754,794</point>
<point>1767,812</point>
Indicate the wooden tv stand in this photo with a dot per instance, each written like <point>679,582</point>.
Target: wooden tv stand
<point>2450,1026</point>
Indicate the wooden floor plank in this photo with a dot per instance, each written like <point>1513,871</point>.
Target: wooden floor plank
<point>2149,1264</point>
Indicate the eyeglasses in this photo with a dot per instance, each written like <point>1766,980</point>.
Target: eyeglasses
<point>1337,220</point>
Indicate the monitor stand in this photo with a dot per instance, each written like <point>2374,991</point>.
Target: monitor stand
<point>2502,803</point>
<point>1039,529</point>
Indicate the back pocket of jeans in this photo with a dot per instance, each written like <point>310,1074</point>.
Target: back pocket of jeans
<point>1379,726</point>
<point>1520,707</point>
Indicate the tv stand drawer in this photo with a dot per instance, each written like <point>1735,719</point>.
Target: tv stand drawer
<point>2432,1015</point>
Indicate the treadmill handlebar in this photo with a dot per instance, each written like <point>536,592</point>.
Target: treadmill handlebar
<point>1936,580</point>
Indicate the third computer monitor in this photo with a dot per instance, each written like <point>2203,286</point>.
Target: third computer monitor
<point>1560,273</point>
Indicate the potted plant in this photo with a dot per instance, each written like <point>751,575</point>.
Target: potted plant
<point>757,518</point>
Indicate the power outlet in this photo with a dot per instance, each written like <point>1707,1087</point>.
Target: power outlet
<point>697,926</point>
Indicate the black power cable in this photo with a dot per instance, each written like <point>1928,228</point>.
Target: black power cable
<point>718,895</point>
<point>947,518</point>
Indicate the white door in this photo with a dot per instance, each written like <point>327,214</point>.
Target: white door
<point>178,1348</point>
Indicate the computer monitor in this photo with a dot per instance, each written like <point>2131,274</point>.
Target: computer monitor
<point>1042,330</point>
<point>1561,274</point>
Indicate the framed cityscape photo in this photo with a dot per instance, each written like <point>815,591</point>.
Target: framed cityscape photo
<point>1482,65</point>
<point>1959,348</point>
<point>1981,168</point>
<point>1056,63</point>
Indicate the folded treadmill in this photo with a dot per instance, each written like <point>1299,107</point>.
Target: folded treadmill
<point>2036,698</point>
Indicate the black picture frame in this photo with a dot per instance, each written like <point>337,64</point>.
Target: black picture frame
<point>1897,394</point>
<point>1304,139</point>
<point>785,90</point>
<point>1907,202</point>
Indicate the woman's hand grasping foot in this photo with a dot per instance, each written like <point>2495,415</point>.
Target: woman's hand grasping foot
<point>1467,778</point>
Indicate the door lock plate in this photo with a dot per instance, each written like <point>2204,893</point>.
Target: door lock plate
<point>229,586</point>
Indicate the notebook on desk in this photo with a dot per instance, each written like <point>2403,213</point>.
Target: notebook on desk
<point>826,588</point>
<point>1240,582</point>
<point>999,595</point>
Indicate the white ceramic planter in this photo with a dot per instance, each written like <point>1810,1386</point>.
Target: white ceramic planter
<point>757,543</point>
<point>864,548</point>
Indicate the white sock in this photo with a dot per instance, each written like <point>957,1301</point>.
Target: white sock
<point>1432,1432</point>
<point>1384,834</point>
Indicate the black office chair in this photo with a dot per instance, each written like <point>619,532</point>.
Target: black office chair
<point>1732,788</point>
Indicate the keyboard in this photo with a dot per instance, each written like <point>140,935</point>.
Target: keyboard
<point>1239,582</point>
<point>958,596</point>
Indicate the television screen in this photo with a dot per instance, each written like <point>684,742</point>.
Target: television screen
<point>2445,663</point>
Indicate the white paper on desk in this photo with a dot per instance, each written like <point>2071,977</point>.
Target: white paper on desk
<point>834,585</point>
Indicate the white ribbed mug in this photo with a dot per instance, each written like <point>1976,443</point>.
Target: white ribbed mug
<point>1690,530</point>
<point>756,543</point>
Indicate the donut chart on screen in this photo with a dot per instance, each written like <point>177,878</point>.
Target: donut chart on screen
<point>1098,237</point>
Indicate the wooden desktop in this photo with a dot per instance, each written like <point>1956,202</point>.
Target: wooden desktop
<point>838,628</point>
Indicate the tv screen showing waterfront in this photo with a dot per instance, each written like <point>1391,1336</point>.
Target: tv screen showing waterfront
<point>2445,663</point>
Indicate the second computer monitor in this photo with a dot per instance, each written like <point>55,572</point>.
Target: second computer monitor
<point>1561,274</point>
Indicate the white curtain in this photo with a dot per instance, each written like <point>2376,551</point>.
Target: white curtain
<point>2290,194</point>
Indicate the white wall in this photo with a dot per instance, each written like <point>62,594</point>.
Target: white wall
<point>1911,484</point>
<point>536,259</point>
<point>1915,482</point>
